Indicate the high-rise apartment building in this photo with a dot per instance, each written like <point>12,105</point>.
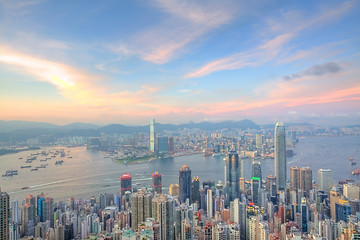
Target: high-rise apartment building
<point>156,182</point>
<point>152,135</point>
<point>4,215</point>
<point>184,183</point>
<point>280,155</point>
<point>232,176</point>
<point>325,180</point>
<point>141,203</point>
<point>196,190</point>
<point>163,212</point>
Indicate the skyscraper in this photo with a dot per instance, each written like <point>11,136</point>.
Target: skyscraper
<point>232,174</point>
<point>196,190</point>
<point>156,182</point>
<point>184,183</point>
<point>209,204</point>
<point>256,181</point>
<point>163,212</point>
<point>125,182</point>
<point>140,207</point>
<point>325,180</point>
<point>152,135</point>
<point>306,180</point>
<point>4,215</point>
<point>280,155</point>
<point>294,178</point>
<point>162,145</point>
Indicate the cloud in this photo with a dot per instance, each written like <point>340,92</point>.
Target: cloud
<point>286,27</point>
<point>316,70</point>
<point>186,22</point>
<point>19,7</point>
<point>254,57</point>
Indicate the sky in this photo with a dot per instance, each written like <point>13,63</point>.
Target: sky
<point>178,61</point>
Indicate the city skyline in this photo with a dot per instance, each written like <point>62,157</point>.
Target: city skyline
<point>179,61</point>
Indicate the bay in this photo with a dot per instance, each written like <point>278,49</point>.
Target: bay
<point>89,173</point>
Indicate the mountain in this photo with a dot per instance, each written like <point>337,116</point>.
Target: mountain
<point>23,130</point>
<point>79,125</point>
<point>8,126</point>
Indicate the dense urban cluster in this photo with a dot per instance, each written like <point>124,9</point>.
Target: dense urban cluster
<point>260,208</point>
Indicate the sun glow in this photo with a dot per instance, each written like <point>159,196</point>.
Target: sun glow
<point>60,81</point>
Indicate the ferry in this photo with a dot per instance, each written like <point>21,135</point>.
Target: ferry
<point>10,173</point>
<point>59,162</point>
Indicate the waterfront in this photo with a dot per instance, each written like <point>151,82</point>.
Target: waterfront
<point>90,173</point>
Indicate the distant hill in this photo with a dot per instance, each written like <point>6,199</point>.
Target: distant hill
<point>8,126</point>
<point>24,130</point>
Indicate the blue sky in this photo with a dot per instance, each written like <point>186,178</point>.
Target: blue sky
<point>179,61</point>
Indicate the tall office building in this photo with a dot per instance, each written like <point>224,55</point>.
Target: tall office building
<point>301,179</point>
<point>140,207</point>
<point>162,145</point>
<point>209,204</point>
<point>163,212</point>
<point>280,156</point>
<point>325,180</point>
<point>232,174</point>
<point>152,135</point>
<point>196,190</point>
<point>171,145</point>
<point>4,215</point>
<point>294,178</point>
<point>156,182</point>
<point>259,141</point>
<point>184,183</point>
<point>256,181</point>
<point>306,180</point>
<point>125,182</point>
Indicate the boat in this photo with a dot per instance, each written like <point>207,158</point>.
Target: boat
<point>23,188</point>
<point>351,158</point>
<point>59,162</point>
<point>10,173</point>
<point>28,166</point>
<point>355,172</point>
<point>43,160</point>
<point>20,158</point>
<point>70,157</point>
<point>350,180</point>
<point>34,169</point>
<point>353,163</point>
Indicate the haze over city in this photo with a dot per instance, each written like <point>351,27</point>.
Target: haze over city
<point>180,61</point>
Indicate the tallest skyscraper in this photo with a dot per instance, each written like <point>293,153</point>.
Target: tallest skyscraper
<point>280,156</point>
<point>152,136</point>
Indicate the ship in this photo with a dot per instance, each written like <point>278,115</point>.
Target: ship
<point>59,162</point>
<point>10,173</point>
<point>355,172</point>
<point>28,166</point>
